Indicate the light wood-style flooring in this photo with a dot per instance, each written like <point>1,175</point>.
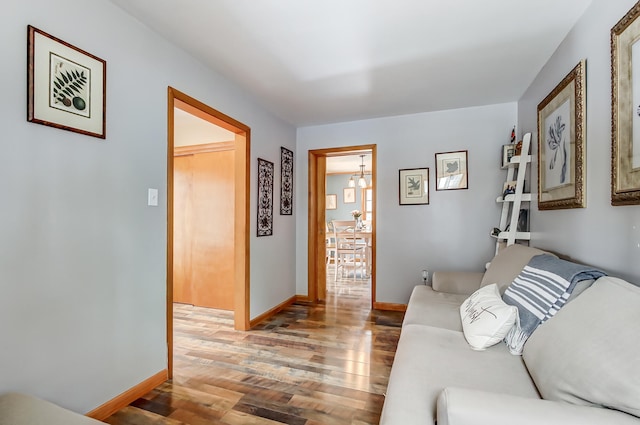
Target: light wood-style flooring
<point>309,365</point>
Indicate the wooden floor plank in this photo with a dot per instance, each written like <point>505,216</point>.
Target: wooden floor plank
<point>308,365</point>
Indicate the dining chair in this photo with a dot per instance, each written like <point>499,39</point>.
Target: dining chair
<point>330,242</point>
<point>349,251</point>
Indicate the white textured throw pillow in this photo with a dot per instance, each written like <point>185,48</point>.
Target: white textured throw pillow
<point>486,319</point>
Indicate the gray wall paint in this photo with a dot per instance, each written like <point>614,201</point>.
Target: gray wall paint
<point>601,235</point>
<point>82,261</point>
<point>450,233</point>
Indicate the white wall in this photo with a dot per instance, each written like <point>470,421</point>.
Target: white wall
<point>82,258</point>
<point>452,232</point>
<point>601,235</point>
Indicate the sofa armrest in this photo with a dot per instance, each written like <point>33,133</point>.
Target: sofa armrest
<point>22,409</point>
<point>465,283</point>
<point>458,406</point>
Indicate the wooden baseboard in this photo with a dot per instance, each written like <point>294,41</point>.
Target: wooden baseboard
<point>303,299</point>
<point>275,310</point>
<point>389,306</point>
<point>126,398</point>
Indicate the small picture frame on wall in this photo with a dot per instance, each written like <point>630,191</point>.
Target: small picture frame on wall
<point>349,195</point>
<point>451,170</point>
<point>66,86</point>
<point>414,186</point>
<point>331,202</point>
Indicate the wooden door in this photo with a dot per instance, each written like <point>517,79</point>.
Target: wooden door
<point>203,269</point>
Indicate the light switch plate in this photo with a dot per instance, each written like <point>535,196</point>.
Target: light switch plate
<point>152,197</point>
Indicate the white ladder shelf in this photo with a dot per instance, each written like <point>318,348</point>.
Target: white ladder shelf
<point>511,203</point>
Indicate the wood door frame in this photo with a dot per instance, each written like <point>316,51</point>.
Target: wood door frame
<point>242,144</point>
<point>316,249</point>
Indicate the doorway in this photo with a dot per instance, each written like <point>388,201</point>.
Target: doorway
<point>240,235</point>
<point>317,270</point>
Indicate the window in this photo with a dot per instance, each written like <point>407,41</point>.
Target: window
<point>367,204</point>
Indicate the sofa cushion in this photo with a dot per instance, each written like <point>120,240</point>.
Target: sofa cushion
<point>507,265</point>
<point>429,307</point>
<point>22,409</point>
<point>429,359</point>
<point>486,319</point>
<point>588,352</point>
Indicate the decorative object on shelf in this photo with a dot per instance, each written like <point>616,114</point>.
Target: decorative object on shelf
<point>509,188</point>
<point>451,170</point>
<point>414,186</point>
<point>66,86</point>
<point>331,202</point>
<point>286,181</point>
<point>362,181</point>
<point>349,195</point>
<point>523,220</point>
<point>561,138</point>
<point>625,124</point>
<point>265,197</point>
<point>518,150</point>
<point>513,135</point>
<point>507,152</point>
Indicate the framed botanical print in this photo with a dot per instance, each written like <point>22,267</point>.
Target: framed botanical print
<point>414,186</point>
<point>349,195</point>
<point>625,109</point>
<point>561,138</point>
<point>451,170</point>
<point>331,202</point>
<point>66,86</point>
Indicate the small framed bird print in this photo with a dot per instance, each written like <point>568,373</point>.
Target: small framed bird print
<point>451,170</point>
<point>414,186</point>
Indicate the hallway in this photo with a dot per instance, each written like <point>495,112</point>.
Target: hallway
<point>310,364</point>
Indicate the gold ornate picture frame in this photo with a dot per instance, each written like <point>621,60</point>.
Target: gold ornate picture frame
<point>561,139</point>
<point>625,109</point>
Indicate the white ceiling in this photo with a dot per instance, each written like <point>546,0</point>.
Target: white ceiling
<point>322,61</point>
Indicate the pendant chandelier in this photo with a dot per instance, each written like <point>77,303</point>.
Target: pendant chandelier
<point>362,182</point>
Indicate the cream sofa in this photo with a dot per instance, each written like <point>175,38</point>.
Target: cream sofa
<point>582,366</point>
<point>21,409</point>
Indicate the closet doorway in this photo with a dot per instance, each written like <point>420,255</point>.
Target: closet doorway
<point>210,242</point>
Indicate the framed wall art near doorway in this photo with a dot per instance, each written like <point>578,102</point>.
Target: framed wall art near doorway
<point>265,197</point>
<point>66,86</point>
<point>331,202</point>
<point>286,181</point>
